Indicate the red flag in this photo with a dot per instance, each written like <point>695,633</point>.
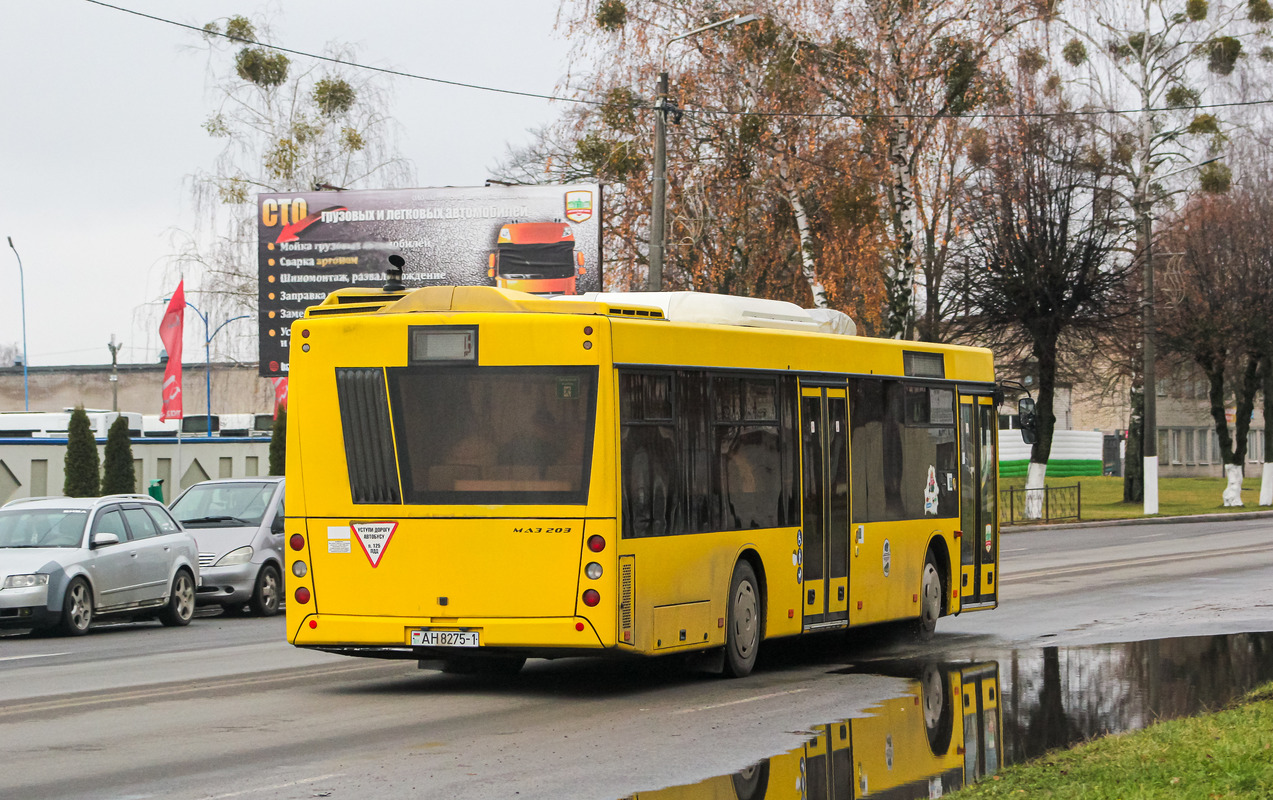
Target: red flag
<point>170,333</point>
<point>280,394</point>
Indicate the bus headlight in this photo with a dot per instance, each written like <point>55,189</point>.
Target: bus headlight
<point>593,570</point>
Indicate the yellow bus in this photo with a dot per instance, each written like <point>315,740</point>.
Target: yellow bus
<point>941,735</point>
<point>477,476</point>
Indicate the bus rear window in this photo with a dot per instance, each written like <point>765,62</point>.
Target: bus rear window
<point>494,435</point>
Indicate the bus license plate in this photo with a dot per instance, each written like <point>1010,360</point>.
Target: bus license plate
<point>445,639</point>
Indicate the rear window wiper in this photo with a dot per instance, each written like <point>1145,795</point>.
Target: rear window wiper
<point>200,520</point>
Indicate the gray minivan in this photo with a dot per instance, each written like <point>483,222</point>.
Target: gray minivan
<point>238,524</point>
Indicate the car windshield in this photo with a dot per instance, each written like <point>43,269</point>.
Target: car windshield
<point>223,505</point>
<point>42,527</point>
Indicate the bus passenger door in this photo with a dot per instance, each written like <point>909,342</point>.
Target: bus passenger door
<point>978,506</point>
<point>825,482</point>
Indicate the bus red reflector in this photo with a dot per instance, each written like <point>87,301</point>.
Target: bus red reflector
<point>297,541</point>
<point>954,595</point>
<point>596,544</point>
<point>302,595</point>
<point>313,623</point>
<point>591,598</point>
<point>859,605</point>
<point>578,626</point>
<point>791,612</point>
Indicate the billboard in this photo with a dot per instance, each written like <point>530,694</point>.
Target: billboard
<point>539,239</point>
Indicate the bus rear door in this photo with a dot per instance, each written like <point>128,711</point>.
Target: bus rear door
<point>978,482</point>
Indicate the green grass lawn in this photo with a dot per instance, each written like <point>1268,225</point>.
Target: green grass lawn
<point>1103,497</point>
<point>1227,755</point>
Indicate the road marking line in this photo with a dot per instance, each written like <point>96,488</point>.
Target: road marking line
<point>37,655</point>
<point>1144,561</point>
<point>143,693</point>
<point>275,787</point>
<point>738,702</point>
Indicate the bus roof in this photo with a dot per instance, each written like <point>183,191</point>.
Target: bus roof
<point>691,307</point>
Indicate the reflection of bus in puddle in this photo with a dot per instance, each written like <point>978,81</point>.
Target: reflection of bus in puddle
<point>941,735</point>
<point>536,257</point>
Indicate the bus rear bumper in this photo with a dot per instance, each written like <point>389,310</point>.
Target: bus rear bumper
<point>390,637</point>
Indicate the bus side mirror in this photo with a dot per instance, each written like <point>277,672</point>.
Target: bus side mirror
<point>490,265</point>
<point>1027,420</point>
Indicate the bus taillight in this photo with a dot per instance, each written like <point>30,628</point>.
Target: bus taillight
<point>591,597</point>
<point>302,595</point>
<point>596,544</point>
<point>297,541</point>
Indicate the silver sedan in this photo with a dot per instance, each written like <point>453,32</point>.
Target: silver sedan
<point>65,561</point>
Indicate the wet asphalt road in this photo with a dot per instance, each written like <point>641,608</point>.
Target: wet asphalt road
<point>225,709</point>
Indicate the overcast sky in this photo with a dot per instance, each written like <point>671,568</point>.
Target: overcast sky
<point>100,125</point>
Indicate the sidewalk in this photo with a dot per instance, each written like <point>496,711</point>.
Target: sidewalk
<point>1098,523</point>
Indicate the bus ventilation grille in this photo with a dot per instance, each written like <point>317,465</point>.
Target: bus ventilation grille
<point>364,415</point>
<point>619,311</point>
<point>627,566</point>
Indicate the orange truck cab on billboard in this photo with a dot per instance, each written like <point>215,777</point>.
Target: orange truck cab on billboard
<point>536,257</point>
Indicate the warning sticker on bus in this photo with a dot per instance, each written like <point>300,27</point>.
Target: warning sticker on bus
<point>374,537</point>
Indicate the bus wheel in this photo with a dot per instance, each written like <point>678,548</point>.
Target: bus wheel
<point>742,637</point>
<point>938,713</point>
<point>751,783</point>
<point>930,594</point>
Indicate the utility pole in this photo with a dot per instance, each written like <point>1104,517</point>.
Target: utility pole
<point>657,204</point>
<point>115,348</point>
<point>662,107</point>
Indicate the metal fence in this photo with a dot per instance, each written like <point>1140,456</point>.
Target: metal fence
<point>1056,503</point>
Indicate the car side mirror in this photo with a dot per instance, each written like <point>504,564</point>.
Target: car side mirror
<point>103,539</point>
<point>277,525</point>
<point>1027,420</point>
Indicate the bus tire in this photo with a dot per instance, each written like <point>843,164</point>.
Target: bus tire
<point>742,634</point>
<point>938,709</point>
<point>930,597</point>
<point>751,783</point>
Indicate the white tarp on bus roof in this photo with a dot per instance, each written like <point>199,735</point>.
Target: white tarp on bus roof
<point>723,309</point>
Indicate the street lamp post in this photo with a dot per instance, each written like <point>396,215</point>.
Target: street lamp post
<point>658,203</point>
<point>1149,425</point>
<point>22,288</point>
<point>207,354</point>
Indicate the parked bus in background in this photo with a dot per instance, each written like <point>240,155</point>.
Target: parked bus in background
<point>477,476</point>
<point>537,258</point>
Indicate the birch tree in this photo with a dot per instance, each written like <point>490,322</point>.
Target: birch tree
<point>1161,59</point>
<point>910,70</point>
<point>285,125</point>
<point>764,197</point>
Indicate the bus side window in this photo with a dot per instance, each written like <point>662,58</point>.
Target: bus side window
<point>651,470</point>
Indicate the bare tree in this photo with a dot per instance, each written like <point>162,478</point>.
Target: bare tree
<point>1218,300</point>
<point>1041,271</point>
<point>285,126</point>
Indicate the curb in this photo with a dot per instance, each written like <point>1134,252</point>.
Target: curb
<point>1103,523</point>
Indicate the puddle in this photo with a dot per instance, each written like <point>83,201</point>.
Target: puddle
<point>960,722</point>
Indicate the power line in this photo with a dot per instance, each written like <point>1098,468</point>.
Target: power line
<point>342,62</point>
<point>701,110</point>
